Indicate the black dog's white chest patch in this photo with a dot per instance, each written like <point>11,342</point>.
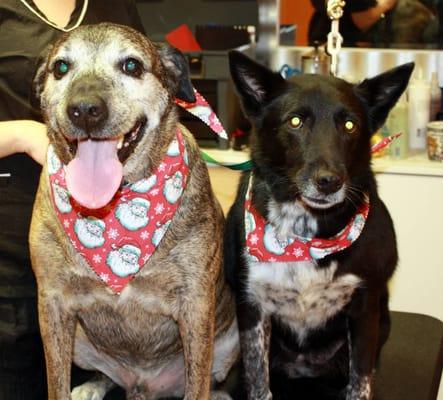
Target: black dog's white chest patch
<point>302,295</point>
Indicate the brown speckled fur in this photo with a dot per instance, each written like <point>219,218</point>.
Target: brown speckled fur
<point>169,308</point>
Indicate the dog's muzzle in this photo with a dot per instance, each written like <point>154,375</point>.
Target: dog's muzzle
<point>325,189</point>
<point>87,112</point>
<point>86,106</point>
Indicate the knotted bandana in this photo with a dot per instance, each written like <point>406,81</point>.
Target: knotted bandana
<point>118,239</point>
<point>264,244</point>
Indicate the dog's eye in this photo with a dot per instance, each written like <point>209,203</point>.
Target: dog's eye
<point>296,122</point>
<point>61,68</point>
<point>350,126</point>
<point>132,67</point>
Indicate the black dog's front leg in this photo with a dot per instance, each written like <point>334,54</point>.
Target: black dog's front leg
<point>255,332</point>
<point>363,338</point>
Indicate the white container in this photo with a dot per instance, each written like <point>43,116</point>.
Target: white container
<point>419,98</point>
<point>435,140</point>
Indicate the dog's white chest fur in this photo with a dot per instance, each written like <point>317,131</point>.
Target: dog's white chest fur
<point>301,294</point>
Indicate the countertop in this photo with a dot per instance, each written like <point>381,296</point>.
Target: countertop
<point>415,164</point>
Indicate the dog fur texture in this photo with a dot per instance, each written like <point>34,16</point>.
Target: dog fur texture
<point>327,318</point>
<point>172,329</point>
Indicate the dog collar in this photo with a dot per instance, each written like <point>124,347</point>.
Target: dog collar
<point>263,244</point>
<point>117,240</point>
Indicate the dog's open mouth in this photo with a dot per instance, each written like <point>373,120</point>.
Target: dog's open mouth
<point>128,141</point>
<point>95,173</point>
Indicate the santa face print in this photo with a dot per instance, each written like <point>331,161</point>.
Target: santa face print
<point>133,215</point>
<point>90,232</point>
<point>159,233</point>
<point>124,261</point>
<point>273,242</point>
<point>53,162</point>
<point>173,188</point>
<point>173,149</point>
<point>144,185</point>
<point>61,199</point>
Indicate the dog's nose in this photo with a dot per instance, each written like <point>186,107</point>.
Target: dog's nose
<point>87,113</point>
<point>328,182</point>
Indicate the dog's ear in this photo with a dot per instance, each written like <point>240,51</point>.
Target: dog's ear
<point>39,78</point>
<point>382,92</point>
<point>178,68</point>
<point>255,83</point>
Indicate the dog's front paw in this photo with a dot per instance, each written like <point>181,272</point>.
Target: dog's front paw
<point>260,396</point>
<point>360,389</point>
<point>218,395</point>
<point>89,391</point>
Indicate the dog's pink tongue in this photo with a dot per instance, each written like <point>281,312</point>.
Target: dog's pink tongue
<point>95,174</point>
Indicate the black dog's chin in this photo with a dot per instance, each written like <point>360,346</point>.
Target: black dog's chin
<point>324,202</point>
<point>319,204</point>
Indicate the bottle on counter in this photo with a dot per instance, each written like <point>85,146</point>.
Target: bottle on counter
<point>435,106</point>
<point>398,123</point>
<point>419,98</point>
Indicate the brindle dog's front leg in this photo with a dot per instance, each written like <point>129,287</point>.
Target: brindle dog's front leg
<point>57,328</point>
<point>255,333</point>
<point>197,333</point>
<point>363,336</point>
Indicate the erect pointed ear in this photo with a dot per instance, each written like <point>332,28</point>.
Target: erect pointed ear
<point>382,92</point>
<point>177,66</point>
<point>39,79</point>
<point>255,84</point>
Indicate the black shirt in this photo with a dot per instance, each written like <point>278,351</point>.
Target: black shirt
<point>320,24</point>
<point>23,36</point>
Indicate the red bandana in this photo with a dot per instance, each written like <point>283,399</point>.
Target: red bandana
<point>263,244</point>
<point>202,110</point>
<point>117,240</point>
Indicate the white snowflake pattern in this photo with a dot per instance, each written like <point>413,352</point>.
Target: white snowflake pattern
<point>104,277</point>
<point>66,223</point>
<point>113,233</point>
<point>162,167</point>
<point>298,252</point>
<point>155,192</point>
<point>273,259</point>
<point>144,235</point>
<point>159,208</point>
<point>253,239</point>
<point>97,258</point>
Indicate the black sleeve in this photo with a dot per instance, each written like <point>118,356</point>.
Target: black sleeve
<point>134,16</point>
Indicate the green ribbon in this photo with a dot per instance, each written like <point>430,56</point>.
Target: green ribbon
<point>244,166</point>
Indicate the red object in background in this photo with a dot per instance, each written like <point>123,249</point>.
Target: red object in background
<point>183,39</point>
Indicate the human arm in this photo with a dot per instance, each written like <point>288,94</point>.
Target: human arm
<point>366,18</point>
<point>23,136</point>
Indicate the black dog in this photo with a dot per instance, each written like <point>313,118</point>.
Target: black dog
<point>311,307</point>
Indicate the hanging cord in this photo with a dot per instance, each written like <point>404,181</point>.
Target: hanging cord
<point>335,40</point>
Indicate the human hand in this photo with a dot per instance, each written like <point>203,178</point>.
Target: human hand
<point>23,136</point>
<point>386,5</point>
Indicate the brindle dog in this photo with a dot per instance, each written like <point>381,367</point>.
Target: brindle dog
<point>173,327</point>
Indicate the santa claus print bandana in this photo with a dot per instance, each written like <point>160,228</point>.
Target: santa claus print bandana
<point>117,240</point>
<point>264,244</point>
<point>202,110</point>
